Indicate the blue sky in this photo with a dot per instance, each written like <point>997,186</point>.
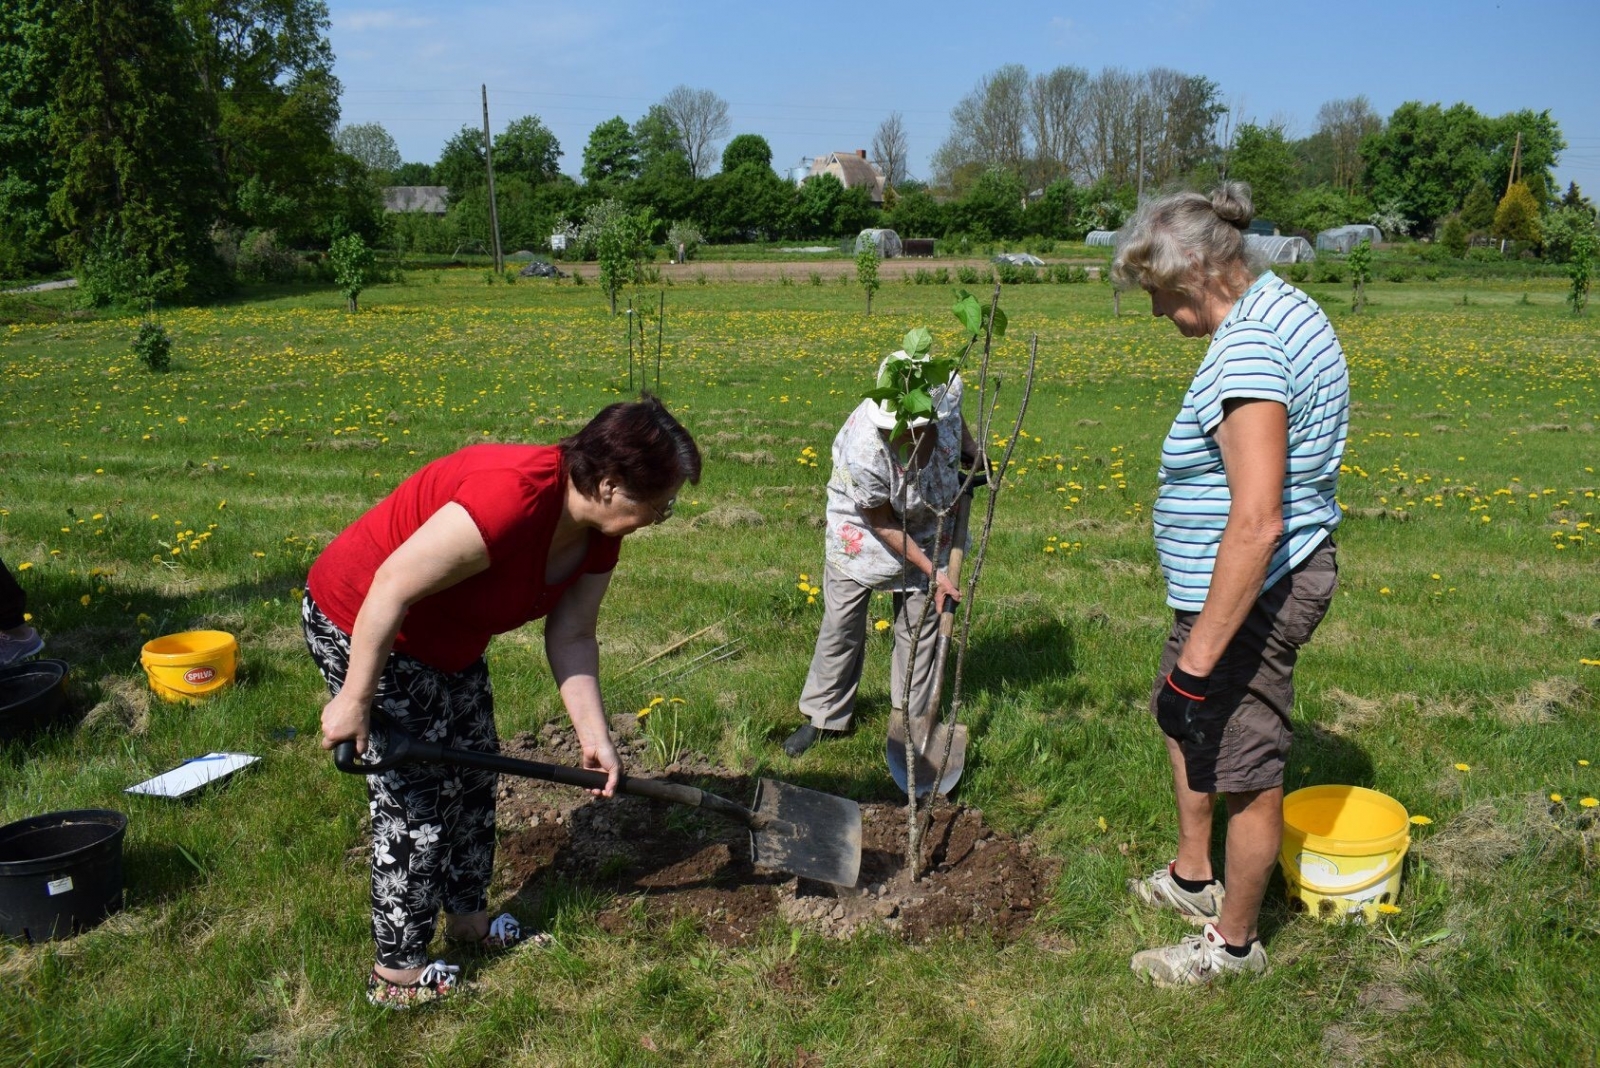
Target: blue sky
<point>818,76</point>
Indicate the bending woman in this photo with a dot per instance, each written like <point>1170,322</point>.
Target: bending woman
<point>884,499</point>
<point>398,612</point>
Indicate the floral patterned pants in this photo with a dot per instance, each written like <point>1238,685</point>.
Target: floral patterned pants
<point>432,824</point>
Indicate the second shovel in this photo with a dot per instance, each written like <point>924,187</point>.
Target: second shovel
<point>928,732</point>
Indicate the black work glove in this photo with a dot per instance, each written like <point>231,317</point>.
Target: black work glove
<point>985,473</point>
<point>1180,703</point>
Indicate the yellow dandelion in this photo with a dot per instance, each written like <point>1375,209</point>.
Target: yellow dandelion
<point>1100,822</point>
<point>1588,802</point>
<point>1388,909</point>
<point>1557,798</point>
<point>1421,820</point>
<point>676,701</point>
<point>1583,763</point>
<point>1586,662</point>
<point>656,701</point>
<point>643,712</point>
<point>84,600</point>
<point>882,624</point>
<point>26,565</point>
<point>1384,591</point>
<point>1463,767</point>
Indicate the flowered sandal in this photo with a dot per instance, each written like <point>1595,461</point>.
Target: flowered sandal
<point>436,983</point>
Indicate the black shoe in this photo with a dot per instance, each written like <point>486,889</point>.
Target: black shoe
<point>801,740</point>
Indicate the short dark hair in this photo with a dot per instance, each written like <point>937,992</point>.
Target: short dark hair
<point>636,444</point>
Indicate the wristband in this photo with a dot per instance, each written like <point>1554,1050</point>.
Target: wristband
<point>1193,687</point>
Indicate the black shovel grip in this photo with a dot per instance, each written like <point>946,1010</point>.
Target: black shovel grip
<point>402,749</point>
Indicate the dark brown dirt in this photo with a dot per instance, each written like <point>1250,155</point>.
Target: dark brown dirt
<point>675,862</point>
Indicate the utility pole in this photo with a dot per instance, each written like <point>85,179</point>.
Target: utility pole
<point>1138,125</point>
<point>488,161</point>
<point>1516,157</point>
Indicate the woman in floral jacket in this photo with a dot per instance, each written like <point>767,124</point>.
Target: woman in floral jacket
<point>884,500</point>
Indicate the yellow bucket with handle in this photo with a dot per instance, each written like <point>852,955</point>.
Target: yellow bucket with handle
<point>1343,848</point>
<point>192,666</point>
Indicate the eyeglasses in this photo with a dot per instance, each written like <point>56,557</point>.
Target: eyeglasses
<point>661,514</point>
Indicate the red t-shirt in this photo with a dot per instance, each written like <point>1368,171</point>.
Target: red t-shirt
<point>514,494</point>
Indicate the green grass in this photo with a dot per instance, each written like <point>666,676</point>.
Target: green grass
<point>1472,455</point>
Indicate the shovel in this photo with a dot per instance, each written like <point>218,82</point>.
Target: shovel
<point>928,734</point>
<point>792,829</point>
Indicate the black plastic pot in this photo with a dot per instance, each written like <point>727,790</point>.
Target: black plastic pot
<point>60,873</point>
<point>32,696</point>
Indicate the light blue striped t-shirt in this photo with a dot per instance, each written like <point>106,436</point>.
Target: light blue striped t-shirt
<point>1275,344</point>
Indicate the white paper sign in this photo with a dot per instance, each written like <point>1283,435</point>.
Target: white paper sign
<point>58,886</point>
<point>191,775</point>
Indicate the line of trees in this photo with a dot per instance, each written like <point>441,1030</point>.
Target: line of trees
<point>161,148</point>
<point>1056,154</point>
<point>148,144</point>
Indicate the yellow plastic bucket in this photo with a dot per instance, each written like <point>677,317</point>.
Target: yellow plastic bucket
<point>191,666</point>
<point>1342,850</point>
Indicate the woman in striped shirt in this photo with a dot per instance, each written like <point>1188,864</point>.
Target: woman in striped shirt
<point>1244,523</point>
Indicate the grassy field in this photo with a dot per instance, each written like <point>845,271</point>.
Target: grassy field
<point>1456,672</point>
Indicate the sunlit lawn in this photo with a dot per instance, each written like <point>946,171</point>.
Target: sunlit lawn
<point>1465,636</point>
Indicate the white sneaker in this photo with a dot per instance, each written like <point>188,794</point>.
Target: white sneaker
<point>1197,960</point>
<point>1160,890</point>
<point>15,648</point>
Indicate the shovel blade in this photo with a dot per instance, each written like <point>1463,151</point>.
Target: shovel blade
<point>928,759</point>
<point>807,833</point>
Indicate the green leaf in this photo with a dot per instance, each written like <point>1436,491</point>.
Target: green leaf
<point>917,341</point>
<point>970,312</point>
<point>939,371</point>
<point>917,403</point>
<point>999,323</point>
<point>882,393</point>
<point>893,373</point>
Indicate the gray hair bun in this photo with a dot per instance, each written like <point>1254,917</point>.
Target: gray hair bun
<point>1231,201</point>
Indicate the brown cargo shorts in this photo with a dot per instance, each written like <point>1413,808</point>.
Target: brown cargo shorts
<point>1252,686</point>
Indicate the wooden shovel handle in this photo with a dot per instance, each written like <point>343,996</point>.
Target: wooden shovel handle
<point>958,541</point>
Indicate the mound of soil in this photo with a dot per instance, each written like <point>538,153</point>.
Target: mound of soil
<point>675,862</point>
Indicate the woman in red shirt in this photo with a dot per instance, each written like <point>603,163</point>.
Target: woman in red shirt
<point>398,612</point>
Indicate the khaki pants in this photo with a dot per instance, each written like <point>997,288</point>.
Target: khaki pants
<point>829,697</point>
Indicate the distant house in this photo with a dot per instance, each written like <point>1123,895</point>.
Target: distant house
<point>426,199</point>
<point>853,170</point>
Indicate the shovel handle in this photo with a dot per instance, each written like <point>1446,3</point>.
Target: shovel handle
<point>402,748</point>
